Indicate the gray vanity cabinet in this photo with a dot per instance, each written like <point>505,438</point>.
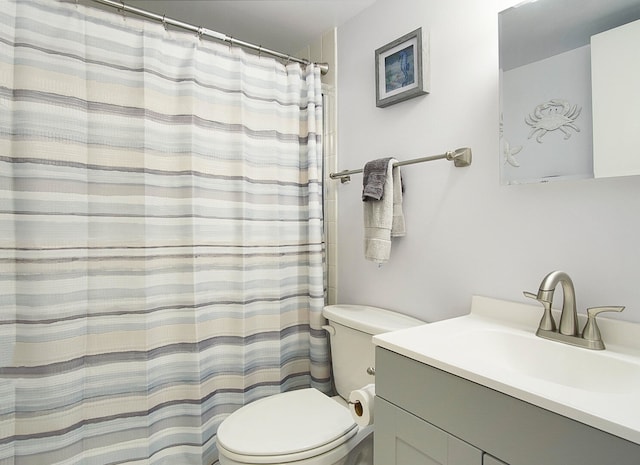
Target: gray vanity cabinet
<point>488,460</point>
<point>425,416</point>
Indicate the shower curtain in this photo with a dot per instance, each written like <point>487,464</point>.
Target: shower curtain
<point>160,236</point>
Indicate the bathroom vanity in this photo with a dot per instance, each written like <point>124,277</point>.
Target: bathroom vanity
<point>442,398</point>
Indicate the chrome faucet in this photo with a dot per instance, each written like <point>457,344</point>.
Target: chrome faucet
<point>568,331</point>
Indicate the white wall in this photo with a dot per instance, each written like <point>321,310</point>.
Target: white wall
<point>466,234</point>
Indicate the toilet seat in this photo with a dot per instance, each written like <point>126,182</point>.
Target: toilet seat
<point>285,427</point>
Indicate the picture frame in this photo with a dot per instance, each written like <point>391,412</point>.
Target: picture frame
<point>402,69</point>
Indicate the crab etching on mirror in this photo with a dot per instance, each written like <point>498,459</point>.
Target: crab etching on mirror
<point>556,114</point>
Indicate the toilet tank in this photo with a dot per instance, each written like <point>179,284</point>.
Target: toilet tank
<point>352,352</point>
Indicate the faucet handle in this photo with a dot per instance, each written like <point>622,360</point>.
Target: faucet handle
<point>593,311</point>
<point>591,331</point>
<point>547,322</point>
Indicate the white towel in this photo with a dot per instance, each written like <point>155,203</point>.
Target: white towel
<point>384,219</point>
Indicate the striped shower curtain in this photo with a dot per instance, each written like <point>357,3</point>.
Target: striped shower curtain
<point>160,236</point>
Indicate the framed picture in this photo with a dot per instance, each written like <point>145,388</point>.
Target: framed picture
<point>402,69</point>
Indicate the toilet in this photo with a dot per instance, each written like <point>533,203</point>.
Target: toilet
<point>306,427</point>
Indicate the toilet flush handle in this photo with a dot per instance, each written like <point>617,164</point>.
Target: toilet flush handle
<point>330,329</point>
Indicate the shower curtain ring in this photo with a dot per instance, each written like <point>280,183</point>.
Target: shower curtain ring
<point>164,22</point>
<point>200,32</point>
<point>259,51</point>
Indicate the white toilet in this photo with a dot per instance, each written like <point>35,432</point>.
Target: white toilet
<point>306,427</point>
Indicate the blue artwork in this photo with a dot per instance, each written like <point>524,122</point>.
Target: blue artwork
<point>399,69</point>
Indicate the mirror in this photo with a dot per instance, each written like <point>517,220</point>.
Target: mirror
<point>563,107</point>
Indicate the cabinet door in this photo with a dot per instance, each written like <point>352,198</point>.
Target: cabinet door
<point>404,439</point>
<point>490,460</point>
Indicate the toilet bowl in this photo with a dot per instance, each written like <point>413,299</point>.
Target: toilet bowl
<point>307,427</point>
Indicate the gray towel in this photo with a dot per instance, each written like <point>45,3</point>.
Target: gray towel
<point>373,179</point>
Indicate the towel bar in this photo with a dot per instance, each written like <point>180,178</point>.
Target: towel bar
<point>460,157</point>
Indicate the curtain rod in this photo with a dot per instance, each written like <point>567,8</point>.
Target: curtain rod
<point>202,31</point>
<point>460,157</point>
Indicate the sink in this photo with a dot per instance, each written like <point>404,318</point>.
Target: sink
<point>495,345</point>
<point>525,354</point>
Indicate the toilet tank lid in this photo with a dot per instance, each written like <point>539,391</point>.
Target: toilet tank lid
<point>371,320</point>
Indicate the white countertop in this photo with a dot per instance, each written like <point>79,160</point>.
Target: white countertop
<point>598,388</point>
